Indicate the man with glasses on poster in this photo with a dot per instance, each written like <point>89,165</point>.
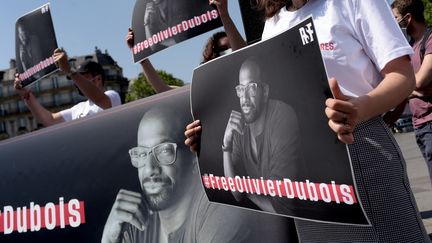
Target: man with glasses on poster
<point>172,206</point>
<point>263,139</point>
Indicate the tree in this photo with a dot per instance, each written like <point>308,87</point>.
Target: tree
<point>428,11</point>
<point>140,87</point>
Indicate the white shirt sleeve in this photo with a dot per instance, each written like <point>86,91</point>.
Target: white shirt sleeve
<point>379,32</point>
<point>114,97</point>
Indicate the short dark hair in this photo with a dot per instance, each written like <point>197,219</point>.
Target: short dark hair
<point>91,67</point>
<point>413,7</point>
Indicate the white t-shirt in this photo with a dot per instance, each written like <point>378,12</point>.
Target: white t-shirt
<point>357,39</point>
<point>88,108</point>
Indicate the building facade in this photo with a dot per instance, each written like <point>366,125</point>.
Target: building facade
<point>55,92</point>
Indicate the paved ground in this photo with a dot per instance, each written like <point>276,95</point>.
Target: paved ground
<point>418,176</point>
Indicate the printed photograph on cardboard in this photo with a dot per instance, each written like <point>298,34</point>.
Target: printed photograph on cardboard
<point>265,143</point>
<point>35,43</point>
<point>159,24</point>
<point>122,175</point>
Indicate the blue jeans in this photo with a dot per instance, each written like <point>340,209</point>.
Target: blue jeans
<point>424,141</point>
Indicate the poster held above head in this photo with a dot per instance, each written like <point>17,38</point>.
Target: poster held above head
<point>159,24</point>
<point>253,21</point>
<point>266,143</point>
<point>35,43</point>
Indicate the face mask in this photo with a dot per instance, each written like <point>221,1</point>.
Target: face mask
<point>403,22</point>
<point>227,51</point>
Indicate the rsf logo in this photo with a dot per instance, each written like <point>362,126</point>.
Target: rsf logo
<point>306,34</point>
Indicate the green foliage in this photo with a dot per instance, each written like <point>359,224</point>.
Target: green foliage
<point>141,88</point>
<point>428,11</point>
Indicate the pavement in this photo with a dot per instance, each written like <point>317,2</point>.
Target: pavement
<point>418,176</point>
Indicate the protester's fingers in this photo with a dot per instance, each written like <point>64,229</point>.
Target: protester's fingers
<point>192,131</point>
<point>193,124</point>
<point>343,131</point>
<point>215,2</point>
<point>341,105</point>
<point>192,139</point>
<point>129,40</point>
<point>335,89</point>
<point>337,116</point>
<point>340,127</point>
<point>192,143</point>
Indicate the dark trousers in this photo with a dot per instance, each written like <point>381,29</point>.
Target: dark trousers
<point>424,141</point>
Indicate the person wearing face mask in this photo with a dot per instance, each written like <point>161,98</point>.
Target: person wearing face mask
<point>219,44</point>
<point>409,15</point>
<point>216,46</point>
<point>88,78</point>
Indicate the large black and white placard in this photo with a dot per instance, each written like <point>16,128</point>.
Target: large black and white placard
<point>159,24</point>
<point>35,43</point>
<point>68,182</point>
<point>265,142</point>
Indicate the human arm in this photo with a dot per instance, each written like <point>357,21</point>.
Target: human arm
<point>128,208</point>
<point>152,76</point>
<point>235,39</point>
<point>41,114</point>
<point>345,113</point>
<point>424,74</point>
<point>87,87</point>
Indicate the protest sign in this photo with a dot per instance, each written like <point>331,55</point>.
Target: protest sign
<point>160,24</point>
<point>35,43</point>
<point>265,143</point>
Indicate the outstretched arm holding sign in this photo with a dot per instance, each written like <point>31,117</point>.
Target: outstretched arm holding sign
<point>89,81</point>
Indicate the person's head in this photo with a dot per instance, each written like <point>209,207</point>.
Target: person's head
<point>165,165</point>
<point>252,91</point>
<point>92,71</point>
<point>406,11</point>
<point>216,46</point>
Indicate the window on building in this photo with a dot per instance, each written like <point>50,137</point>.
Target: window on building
<point>46,84</point>
<point>5,90</point>
<point>64,82</point>
<point>47,100</point>
<point>23,122</point>
<point>2,126</point>
<point>55,82</point>
<point>21,106</point>
<point>13,107</point>
<point>64,98</point>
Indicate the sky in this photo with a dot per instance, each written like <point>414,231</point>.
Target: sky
<point>82,25</point>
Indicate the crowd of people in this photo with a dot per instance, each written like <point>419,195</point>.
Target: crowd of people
<point>372,69</point>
